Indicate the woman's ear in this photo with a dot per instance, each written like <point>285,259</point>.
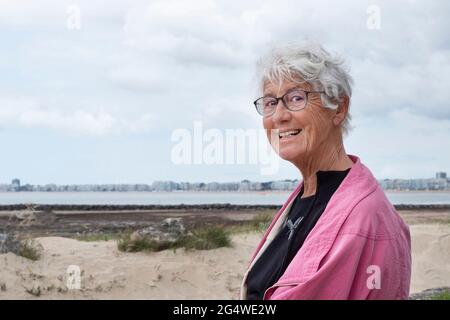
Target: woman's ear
<point>341,110</point>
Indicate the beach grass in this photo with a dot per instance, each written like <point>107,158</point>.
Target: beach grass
<point>92,237</point>
<point>441,296</point>
<point>126,244</point>
<point>204,238</point>
<point>259,223</point>
<point>199,238</point>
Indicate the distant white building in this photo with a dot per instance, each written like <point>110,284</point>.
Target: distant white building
<point>441,175</point>
<point>15,185</point>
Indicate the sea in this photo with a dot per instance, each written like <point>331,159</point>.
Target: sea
<point>175,198</point>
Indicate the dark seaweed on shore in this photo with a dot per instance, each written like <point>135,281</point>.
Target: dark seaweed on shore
<point>202,207</point>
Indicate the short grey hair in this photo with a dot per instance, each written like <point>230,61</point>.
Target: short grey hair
<point>309,62</point>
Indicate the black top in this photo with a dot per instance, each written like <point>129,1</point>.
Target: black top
<point>302,217</point>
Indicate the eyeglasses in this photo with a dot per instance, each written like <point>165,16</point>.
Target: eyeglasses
<point>294,100</point>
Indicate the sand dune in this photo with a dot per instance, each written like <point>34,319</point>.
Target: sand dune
<point>107,273</point>
<point>430,256</point>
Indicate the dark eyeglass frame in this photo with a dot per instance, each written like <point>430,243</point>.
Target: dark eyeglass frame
<point>284,102</point>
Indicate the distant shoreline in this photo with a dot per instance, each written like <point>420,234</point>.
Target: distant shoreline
<point>202,207</point>
<point>220,191</point>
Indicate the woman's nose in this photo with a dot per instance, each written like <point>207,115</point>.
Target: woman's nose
<point>281,112</point>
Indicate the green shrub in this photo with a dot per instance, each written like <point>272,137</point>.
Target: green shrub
<point>204,238</point>
<point>97,237</point>
<point>262,220</point>
<point>128,245</point>
<point>441,296</point>
<point>259,223</point>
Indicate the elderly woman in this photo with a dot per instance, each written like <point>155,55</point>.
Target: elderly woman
<point>337,236</point>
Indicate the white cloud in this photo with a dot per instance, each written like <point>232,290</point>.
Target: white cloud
<point>189,32</point>
<point>402,144</point>
<point>26,113</point>
<point>51,13</point>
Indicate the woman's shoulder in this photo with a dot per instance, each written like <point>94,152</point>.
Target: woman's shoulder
<point>373,217</point>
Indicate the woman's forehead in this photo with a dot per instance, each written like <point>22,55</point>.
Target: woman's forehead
<point>280,87</point>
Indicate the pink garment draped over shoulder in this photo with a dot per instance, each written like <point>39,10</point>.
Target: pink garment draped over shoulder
<point>360,248</point>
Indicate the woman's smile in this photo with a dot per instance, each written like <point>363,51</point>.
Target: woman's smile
<point>287,135</point>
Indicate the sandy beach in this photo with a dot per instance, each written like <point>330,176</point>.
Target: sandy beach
<point>107,273</point>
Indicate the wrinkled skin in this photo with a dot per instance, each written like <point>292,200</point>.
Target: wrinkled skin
<point>320,144</point>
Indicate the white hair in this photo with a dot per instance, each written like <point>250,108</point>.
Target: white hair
<point>309,62</point>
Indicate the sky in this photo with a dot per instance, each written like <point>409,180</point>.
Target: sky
<point>98,91</point>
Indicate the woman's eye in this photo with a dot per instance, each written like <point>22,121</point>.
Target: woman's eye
<point>271,103</point>
<point>297,98</point>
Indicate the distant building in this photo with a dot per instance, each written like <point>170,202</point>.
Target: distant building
<point>15,184</point>
<point>441,175</point>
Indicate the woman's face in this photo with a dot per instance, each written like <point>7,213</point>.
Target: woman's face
<point>314,122</point>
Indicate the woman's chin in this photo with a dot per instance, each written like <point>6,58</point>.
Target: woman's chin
<point>290,154</point>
